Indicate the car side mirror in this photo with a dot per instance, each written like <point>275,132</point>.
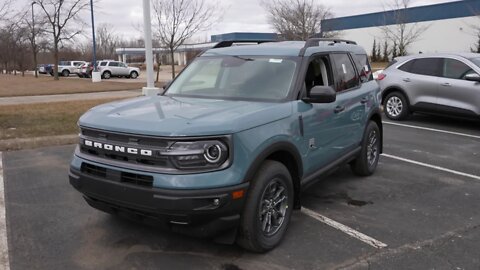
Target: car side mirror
<point>321,94</point>
<point>473,77</point>
<point>166,85</point>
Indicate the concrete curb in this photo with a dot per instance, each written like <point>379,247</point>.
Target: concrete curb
<point>29,143</point>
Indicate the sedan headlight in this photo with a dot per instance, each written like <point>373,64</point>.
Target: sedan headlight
<point>208,154</point>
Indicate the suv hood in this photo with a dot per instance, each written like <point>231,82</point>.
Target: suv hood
<point>180,116</point>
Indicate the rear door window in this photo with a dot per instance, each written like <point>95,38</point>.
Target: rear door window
<point>103,64</point>
<point>363,66</point>
<point>454,69</point>
<point>427,66</point>
<point>113,64</point>
<point>345,74</point>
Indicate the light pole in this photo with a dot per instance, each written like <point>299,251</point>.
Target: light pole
<point>150,90</point>
<point>96,77</point>
<point>34,45</point>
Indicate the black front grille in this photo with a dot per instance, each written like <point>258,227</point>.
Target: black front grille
<point>127,140</point>
<point>123,138</point>
<point>158,161</point>
<point>117,176</point>
<point>94,170</point>
<point>137,179</point>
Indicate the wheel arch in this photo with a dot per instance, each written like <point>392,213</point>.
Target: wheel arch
<point>287,154</point>
<point>376,117</point>
<point>392,89</point>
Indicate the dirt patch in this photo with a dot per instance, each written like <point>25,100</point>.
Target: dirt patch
<point>11,85</point>
<point>43,119</point>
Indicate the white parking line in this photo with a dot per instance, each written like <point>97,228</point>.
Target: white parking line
<point>353,233</point>
<point>476,177</point>
<point>4,262</point>
<point>433,129</point>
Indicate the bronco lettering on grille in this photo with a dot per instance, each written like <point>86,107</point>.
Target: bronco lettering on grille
<point>120,149</point>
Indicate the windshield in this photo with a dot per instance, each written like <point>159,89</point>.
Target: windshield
<point>236,77</point>
<point>476,61</point>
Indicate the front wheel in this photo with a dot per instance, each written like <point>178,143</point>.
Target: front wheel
<point>366,163</point>
<point>133,75</point>
<point>268,208</point>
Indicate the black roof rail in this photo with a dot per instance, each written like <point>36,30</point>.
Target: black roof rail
<point>229,43</point>
<point>311,42</point>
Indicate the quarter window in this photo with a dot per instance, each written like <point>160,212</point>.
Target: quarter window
<point>454,69</point>
<point>346,76</point>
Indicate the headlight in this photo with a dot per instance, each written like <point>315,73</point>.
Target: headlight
<point>198,154</point>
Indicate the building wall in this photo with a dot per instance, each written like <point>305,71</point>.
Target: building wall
<point>449,35</point>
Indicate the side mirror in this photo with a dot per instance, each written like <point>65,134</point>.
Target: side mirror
<point>321,94</point>
<point>166,85</point>
<point>473,77</point>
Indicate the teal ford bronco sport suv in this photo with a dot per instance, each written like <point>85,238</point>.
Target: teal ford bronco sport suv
<point>227,149</point>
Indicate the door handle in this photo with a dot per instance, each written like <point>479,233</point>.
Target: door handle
<point>364,100</point>
<point>446,84</point>
<point>339,109</point>
<point>406,80</point>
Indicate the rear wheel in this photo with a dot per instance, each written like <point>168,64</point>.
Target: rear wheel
<point>268,208</point>
<point>65,73</point>
<point>366,163</point>
<point>396,106</point>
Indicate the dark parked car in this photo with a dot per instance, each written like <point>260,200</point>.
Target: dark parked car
<point>45,68</point>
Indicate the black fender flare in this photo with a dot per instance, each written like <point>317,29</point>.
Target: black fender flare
<point>297,176</point>
<point>376,115</point>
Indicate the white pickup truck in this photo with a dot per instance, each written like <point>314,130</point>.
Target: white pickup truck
<point>65,68</point>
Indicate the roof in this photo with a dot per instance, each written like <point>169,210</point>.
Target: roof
<point>284,48</point>
<point>450,10</point>
<point>426,55</point>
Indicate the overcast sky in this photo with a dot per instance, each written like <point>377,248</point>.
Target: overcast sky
<point>239,15</point>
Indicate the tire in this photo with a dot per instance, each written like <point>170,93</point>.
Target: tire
<point>396,106</point>
<point>133,75</point>
<point>272,180</point>
<point>106,75</point>
<point>366,163</point>
<point>65,73</point>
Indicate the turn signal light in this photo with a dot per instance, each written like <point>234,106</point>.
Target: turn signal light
<point>237,194</point>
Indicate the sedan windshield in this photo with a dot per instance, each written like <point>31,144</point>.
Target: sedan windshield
<point>236,77</point>
<point>476,61</point>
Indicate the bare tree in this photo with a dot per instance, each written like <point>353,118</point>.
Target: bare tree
<point>34,25</point>
<point>401,31</point>
<point>178,20</point>
<point>298,19</point>
<point>5,6</point>
<point>12,43</point>
<point>61,15</point>
<point>107,41</point>
<point>476,31</point>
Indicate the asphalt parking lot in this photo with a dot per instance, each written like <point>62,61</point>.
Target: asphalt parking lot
<point>422,204</point>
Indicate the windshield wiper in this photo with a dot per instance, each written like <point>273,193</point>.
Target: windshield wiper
<point>243,58</point>
<point>234,56</point>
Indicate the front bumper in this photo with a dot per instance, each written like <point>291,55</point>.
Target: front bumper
<point>202,213</point>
